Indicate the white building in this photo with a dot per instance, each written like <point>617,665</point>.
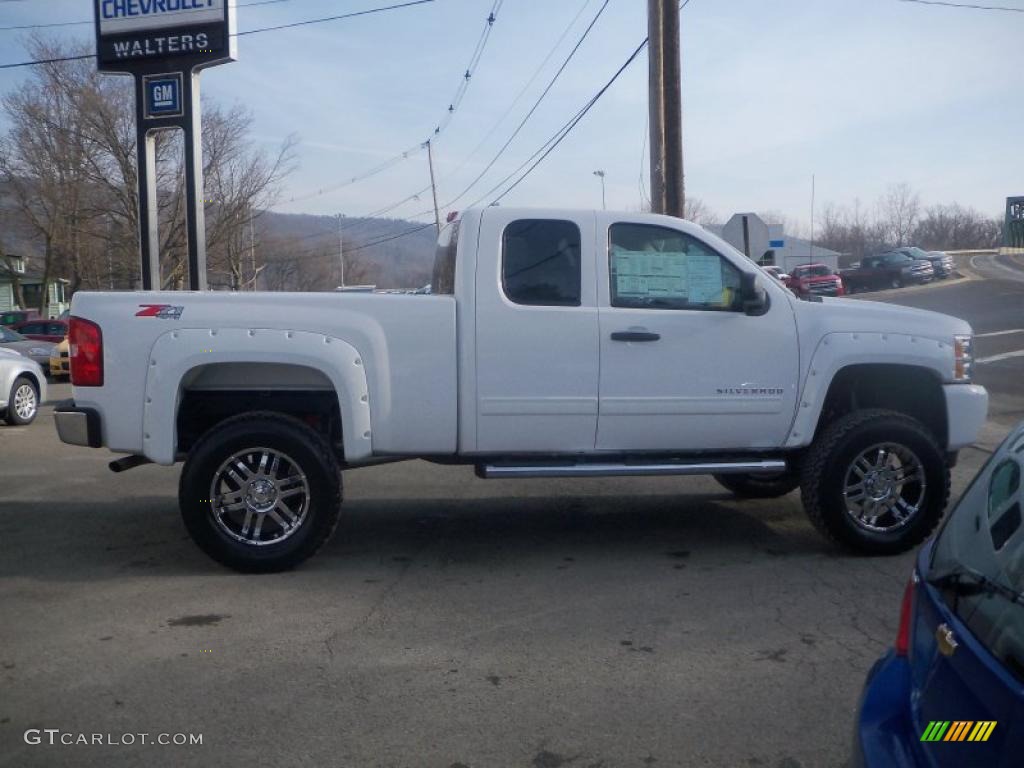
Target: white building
<point>749,234</point>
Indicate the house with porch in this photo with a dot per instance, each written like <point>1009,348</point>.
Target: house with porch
<point>18,269</point>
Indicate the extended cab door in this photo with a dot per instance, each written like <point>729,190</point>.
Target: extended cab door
<point>536,332</point>
<point>682,367</point>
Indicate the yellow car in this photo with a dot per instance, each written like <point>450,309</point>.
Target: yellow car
<point>60,364</point>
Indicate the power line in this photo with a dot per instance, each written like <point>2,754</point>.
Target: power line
<point>453,105</point>
<point>549,146</point>
<point>351,15</point>
<point>522,91</point>
<point>970,6</point>
<point>533,109</point>
<point>560,135</point>
<point>247,32</point>
<point>92,21</point>
<point>390,238</point>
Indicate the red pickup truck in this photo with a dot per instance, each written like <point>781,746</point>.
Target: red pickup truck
<point>815,280</point>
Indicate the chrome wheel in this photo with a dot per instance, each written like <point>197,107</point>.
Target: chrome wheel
<point>259,496</point>
<point>25,403</point>
<point>884,488</point>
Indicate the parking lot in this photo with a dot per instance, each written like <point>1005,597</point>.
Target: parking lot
<point>453,621</point>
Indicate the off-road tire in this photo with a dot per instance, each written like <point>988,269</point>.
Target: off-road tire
<point>12,416</point>
<point>826,463</point>
<point>261,429</point>
<point>760,486</point>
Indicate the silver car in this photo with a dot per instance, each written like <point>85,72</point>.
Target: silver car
<point>39,351</point>
<point>22,388</point>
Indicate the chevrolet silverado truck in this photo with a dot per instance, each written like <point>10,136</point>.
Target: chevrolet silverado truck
<point>552,344</point>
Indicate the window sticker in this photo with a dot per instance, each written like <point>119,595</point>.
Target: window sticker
<point>651,274</point>
<point>705,277</point>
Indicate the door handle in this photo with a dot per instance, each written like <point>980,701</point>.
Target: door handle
<point>635,336</point>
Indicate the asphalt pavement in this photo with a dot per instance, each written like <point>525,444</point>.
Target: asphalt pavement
<point>451,621</point>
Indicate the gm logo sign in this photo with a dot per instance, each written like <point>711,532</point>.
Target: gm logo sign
<point>162,95</point>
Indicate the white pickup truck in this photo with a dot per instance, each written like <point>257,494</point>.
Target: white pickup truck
<point>554,344</point>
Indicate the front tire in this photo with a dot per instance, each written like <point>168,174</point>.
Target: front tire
<point>896,283</point>
<point>22,402</point>
<point>760,486</point>
<point>260,492</point>
<point>876,482</point>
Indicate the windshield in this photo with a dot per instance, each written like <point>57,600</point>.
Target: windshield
<point>7,336</point>
<point>979,556</point>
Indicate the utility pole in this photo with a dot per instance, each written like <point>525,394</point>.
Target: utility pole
<point>665,107</point>
<point>433,185</point>
<point>341,251</point>
<point>600,175</point>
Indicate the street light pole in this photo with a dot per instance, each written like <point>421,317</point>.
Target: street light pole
<point>600,175</point>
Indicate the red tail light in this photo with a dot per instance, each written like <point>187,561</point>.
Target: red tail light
<point>86,353</point>
<point>906,616</point>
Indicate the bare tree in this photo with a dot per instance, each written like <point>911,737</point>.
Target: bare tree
<point>697,211</point>
<point>956,227</point>
<point>240,185</point>
<point>898,212</point>
<point>70,159</point>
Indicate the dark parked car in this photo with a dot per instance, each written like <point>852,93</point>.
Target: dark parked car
<point>951,691</point>
<point>44,330</point>
<point>39,351</point>
<point>942,263</point>
<point>887,270</point>
<point>15,316</point>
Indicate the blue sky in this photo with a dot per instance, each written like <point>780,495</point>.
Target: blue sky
<point>860,93</point>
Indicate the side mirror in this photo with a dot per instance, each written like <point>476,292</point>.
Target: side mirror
<point>753,296</point>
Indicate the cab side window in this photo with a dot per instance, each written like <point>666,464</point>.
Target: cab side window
<point>660,268</point>
<point>540,262</point>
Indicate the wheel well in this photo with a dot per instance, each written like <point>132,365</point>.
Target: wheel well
<point>212,393</point>
<point>908,389</point>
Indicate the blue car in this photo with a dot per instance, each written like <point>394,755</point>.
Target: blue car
<point>951,691</point>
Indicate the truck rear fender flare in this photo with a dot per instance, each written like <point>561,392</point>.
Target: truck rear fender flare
<point>836,351</point>
<point>177,353</point>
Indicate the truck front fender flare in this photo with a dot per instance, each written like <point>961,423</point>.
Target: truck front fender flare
<point>836,351</point>
<point>177,352</point>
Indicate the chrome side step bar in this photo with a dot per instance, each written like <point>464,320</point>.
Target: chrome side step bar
<point>595,469</point>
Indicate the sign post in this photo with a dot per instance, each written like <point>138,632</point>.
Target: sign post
<point>164,45</point>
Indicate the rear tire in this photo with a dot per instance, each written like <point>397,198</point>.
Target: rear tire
<point>760,486</point>
<point>260,492</point>
<point>896,283</point>
<point>865,503</point>
<point>22,402</point>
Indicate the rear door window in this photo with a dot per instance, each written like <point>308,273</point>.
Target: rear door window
<point>541,262</point>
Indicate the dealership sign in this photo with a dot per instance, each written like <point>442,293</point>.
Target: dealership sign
<point>130,33</point>
<point>164,45</point>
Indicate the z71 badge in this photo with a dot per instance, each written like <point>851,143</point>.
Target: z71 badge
<point>163,311</point>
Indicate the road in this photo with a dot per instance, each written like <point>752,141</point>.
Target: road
<point>450,622</point>
<point>994,306</point>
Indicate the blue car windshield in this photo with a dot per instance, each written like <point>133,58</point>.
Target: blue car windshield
<point>979,556</point>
